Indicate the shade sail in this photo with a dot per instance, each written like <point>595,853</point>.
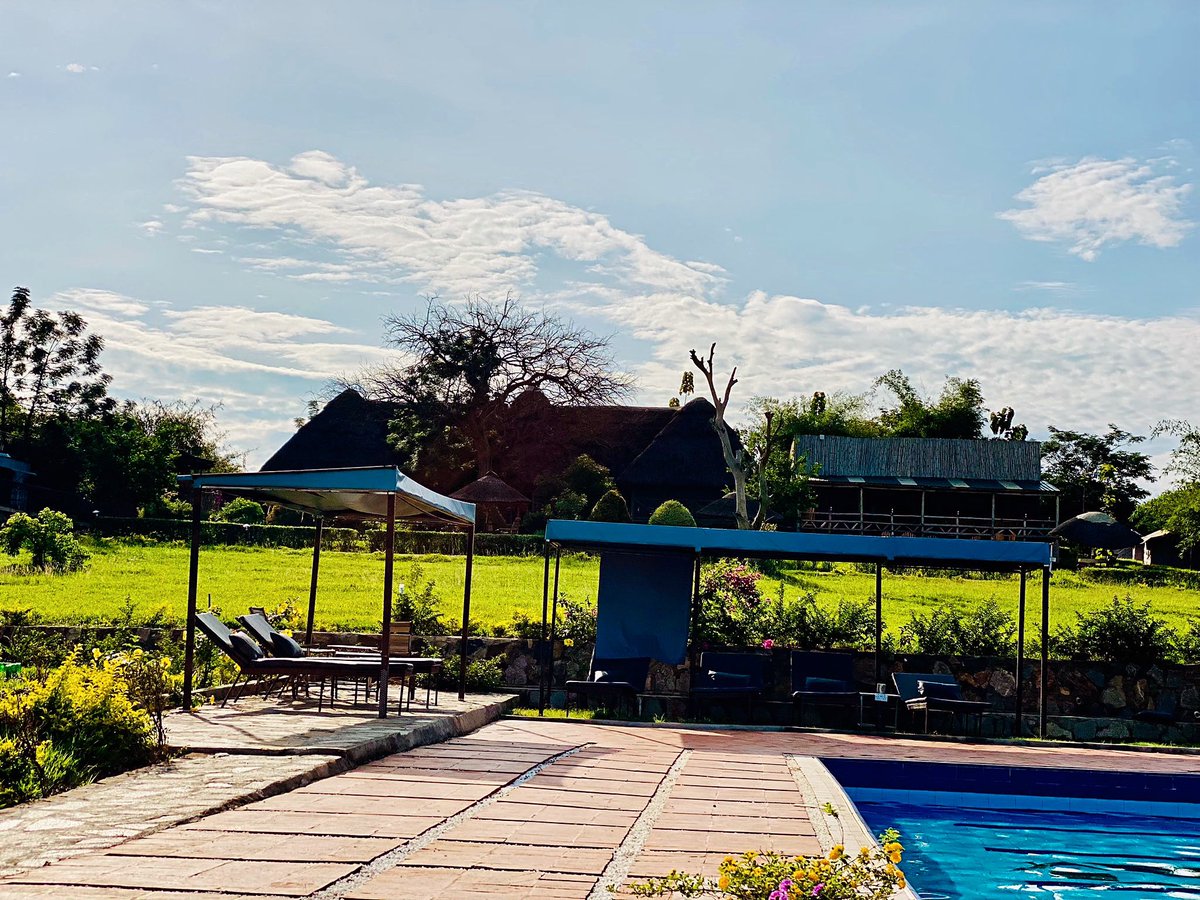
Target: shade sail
<point>339,492</point>
<point>1098,529</point>
<point>900,551</point>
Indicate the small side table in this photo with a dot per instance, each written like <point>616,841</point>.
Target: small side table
<point>879,706</point>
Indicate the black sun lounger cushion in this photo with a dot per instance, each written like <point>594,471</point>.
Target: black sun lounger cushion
<point>815,685</point>
<point>935,690</point>
<point>284,646</point>
<point>246,647</point>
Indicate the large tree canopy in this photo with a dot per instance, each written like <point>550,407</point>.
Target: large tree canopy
<point>467,362</point>
<point>956,413</point>
<point>1096,471</point>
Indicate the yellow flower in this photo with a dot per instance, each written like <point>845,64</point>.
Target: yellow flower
<point>837,851</point>
<point>570,642</point>
<point>723,882</point>
<point>901,884</point>
<point>165,662</point>
<point>894,856</point>
<point>139,653</point>
<point>96,653</point>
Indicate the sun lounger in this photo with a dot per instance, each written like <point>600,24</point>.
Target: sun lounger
<point>270,672</point>
<point>729,675</point>
<point>936,693</point>
<point>611,679</point>
<point>823,679</point>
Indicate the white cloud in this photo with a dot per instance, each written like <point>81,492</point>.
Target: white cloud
<point>1097,202</point>
<point>13,75</point>
<point>151,226</point>
<point>75,68</point>
<point>1056,367</point>
<point>388,232</point>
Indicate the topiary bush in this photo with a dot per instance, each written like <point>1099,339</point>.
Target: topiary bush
<point>672,512</point>
<point>241,511</point>
<point>610,508</point>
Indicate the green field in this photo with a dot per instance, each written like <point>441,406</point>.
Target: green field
<point>351,585</point>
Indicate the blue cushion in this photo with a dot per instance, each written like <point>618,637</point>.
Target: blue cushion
<point>815,685</point>
<point>245,647</point>
<point>282,645</point>
<point>938,690</point>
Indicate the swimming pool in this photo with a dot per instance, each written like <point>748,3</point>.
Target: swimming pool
<point>988,832</point>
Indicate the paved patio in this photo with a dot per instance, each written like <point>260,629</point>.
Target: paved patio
<point>520,808</point>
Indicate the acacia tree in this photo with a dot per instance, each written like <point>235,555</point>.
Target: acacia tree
<point>467,362</point>
<point>734,459</point>
<point>1094,470</point>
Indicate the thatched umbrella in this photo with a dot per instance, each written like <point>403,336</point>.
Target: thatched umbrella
<point>1097,529</point>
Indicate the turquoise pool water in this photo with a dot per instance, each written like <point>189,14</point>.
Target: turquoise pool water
<point>1081,848</point>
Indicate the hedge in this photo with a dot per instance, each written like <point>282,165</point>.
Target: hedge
<point>450,543</point>
<point>1151,576</point>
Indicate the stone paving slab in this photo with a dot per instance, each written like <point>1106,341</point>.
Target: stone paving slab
<point>518,809</point>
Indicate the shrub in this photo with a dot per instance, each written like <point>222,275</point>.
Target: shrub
<point>731,607</point>
<point>871,874</point>
<point>983,630</point>
<point>578,620</point>
<point>804,624</point>
<point>48,537</point>
<point>672,512</point>
<point>569,505</point>
<point>483,675</point>
<point>240,511</point>
<point>419,604</point>
<point>610,508</point>
<point>1123,630</point>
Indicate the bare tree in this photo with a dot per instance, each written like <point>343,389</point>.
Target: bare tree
<point>467,362</point>
<point>761,461</point>
<point>733,458</point>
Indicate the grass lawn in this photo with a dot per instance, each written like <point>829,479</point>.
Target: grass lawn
<point>351,583</point>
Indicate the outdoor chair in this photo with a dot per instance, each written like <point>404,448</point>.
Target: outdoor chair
<point>936,693</point>
<point>400,636</point>
<point>621,680</point>
<point>729,675</point>
<point>823,679</point>
<point>272,672</point>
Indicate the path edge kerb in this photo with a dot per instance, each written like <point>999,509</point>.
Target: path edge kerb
<point>432,732</point>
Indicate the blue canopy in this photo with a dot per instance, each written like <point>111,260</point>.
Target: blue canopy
<point>339,492</point>
<point>954,553</point>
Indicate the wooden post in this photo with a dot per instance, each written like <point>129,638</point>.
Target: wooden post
<point>878,621</point>
<point>546,656</point>
<point>462,650</point>
<point>1045,650</point>
<point>385,641</point>
<point>1019,725</point>
<point>189,652</point>
<point>312,584</point>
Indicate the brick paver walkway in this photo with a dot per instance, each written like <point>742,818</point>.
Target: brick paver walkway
<point>520,808</point>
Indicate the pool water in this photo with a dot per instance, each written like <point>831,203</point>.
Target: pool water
<point>968,853</point>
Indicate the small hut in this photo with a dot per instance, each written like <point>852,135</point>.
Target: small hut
<point>498,505</point>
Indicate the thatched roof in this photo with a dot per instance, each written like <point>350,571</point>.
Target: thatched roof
<point>686,453</point>
<point>350,432</point>
<point>490,489</point>
<point>1016,461</point>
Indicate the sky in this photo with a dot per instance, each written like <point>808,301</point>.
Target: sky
<point>235,195</point>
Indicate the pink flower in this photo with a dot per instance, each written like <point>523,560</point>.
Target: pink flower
<point>768,644</point>
<point>818,888</point>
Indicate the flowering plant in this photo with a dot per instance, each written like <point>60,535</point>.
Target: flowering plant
<point>871,874</point>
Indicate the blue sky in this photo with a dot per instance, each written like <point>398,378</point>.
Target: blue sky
<point>235,194</point>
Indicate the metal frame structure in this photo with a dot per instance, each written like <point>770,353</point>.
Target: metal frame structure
<point>379,492</point>
<point>1022,557</point>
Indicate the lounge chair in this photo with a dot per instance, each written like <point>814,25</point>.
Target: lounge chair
<point>823,679</point>
<point>729,675</point>
<point>936,693</point>
<point>253,663</point>
<point>612,679</point>
<point>400,638</point>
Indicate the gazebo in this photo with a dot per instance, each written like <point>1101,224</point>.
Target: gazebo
<point>649,595</point>
<point>380,492</point>
<point>499,505</point>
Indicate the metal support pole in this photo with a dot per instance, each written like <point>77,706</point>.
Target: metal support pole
<point>462,664</point>
<point>878,621</point>
<point>547,659</point>
<point>385,639</point>
<point>553,623</point>
<point>695,609</point>
<point>312,584</point>
<point>189,652</point>
<point>1045,650</point>
<point>1019,725</point>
